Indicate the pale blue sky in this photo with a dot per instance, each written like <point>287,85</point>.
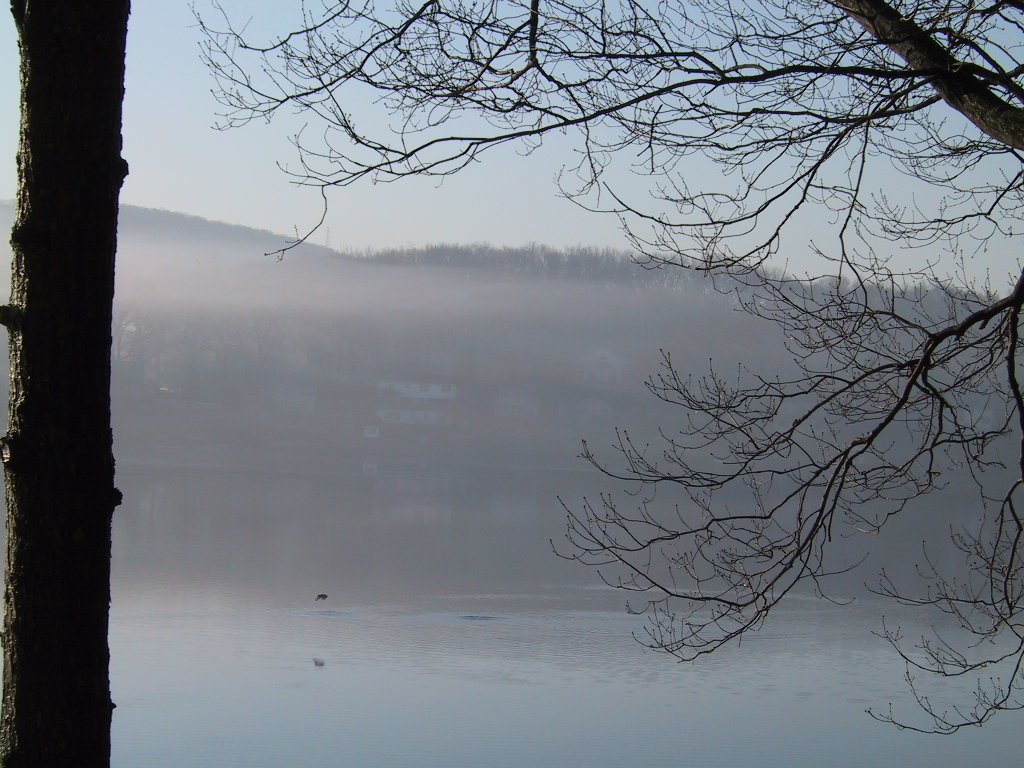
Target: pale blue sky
<point>178,162</point>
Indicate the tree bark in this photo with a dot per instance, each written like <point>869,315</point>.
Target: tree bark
<point>955,83</point>
<point>57,455</point>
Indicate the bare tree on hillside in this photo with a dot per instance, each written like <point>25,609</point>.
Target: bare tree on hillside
<point>883,137</point>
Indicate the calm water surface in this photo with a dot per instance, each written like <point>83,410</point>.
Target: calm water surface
<point>452,638</point>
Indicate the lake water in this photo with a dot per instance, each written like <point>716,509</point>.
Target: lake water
<point>452,637</point>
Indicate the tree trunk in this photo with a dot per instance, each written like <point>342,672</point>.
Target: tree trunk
<point>57,455</point>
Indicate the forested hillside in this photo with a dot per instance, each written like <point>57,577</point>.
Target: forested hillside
<point>440,361</point>
<point>453,354</point>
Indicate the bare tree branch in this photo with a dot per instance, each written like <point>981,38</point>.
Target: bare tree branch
<point>886,130</point>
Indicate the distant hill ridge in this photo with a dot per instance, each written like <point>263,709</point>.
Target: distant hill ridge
<point>531,260</point>
<point>156,223</point>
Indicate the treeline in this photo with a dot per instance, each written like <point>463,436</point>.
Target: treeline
<point>536,260</point>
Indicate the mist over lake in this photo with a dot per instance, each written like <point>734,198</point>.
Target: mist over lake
<point>395,431</point>
<point>452,637</point>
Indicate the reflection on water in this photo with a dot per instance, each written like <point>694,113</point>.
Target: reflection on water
<point>453,638</point>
